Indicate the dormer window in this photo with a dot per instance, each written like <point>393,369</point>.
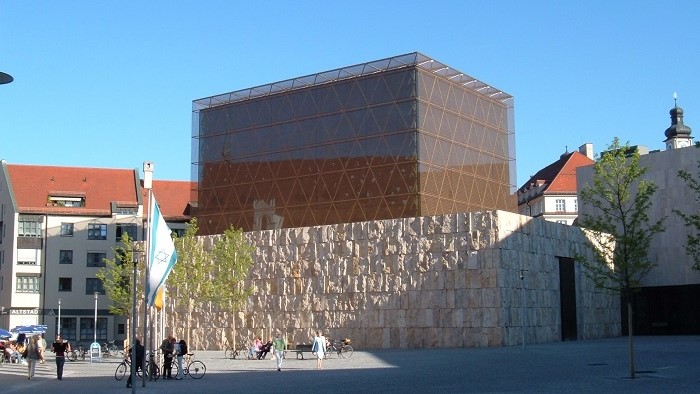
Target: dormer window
<point>66,201</point>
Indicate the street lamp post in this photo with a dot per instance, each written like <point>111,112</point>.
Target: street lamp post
<point>58,329</point>
<point>133,327</point>
<point>95,338</point>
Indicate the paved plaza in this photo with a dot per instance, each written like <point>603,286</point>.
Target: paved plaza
<point>664,364</point>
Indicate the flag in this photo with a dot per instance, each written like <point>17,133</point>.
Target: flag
<point>158,303</point>
<point>162,255</point>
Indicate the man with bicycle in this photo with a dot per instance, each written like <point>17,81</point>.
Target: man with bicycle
<point>140,353</point>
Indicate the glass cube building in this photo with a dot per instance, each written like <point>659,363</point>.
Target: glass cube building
<point>399,137</point>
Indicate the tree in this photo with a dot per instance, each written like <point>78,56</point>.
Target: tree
<point>692,221</point>
<point>232,258</point>
<point>116,277</point>
<point>189,277</point>
<point>620,231</point>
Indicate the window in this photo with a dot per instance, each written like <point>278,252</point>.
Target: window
<point>121,329</point>
<point>97,231</point>
<point>27,284</point>
<point>93,285</point>
<point>29,229</point>
<point>128,228</point>
<point>68,328</point>
<point>27,262</point>
<point>66,229</point>
<point>2,230</point>
<point>96,259</point>
<point>87,328</point>
<point>65,257</point>
<point>63,201</point>
<point>560,205</point>
<point>65,284</point>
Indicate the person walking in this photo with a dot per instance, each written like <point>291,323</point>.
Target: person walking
<point>140,353</point>
<point>60,347</point>
<point>319,349</point>
<point>278,344</point>
<point>33,353</point>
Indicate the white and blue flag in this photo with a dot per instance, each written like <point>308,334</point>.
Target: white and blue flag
<point>161,256</point>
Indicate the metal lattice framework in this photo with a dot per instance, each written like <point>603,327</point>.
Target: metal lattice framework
<point>399,137</point>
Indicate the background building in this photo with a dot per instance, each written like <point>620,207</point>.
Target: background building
<point>552,192</point>
<point>400,137</point>
<point>57,225</point>
<point>666,304</point>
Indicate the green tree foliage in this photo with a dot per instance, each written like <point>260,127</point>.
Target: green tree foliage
<point>116,277</point>
<point>692,221</point>
<point>620,231</point>
<point>189,279</point>
<point>232,258</point>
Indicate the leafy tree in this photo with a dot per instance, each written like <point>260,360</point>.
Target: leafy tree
<point>232,258</point>
<point>116,277</point>
<point>692,221</point>
<point>620,231</point>
<point>189,277</point>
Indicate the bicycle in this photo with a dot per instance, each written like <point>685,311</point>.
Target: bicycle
<point>74,354</point>
<point>341,348</point>
<point>229,351</point>
<point>243,352</point>
<point>194,368</point>
<point>110,349</point>
<point>123,367</point>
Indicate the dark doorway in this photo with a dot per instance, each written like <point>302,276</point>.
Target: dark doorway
<point>567,289</point>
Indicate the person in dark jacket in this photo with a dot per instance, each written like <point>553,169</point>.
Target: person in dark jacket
<point>140,353</point>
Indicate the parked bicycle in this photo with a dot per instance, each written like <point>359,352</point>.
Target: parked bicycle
<point>110,349</point>
<point>77,353</point>
<point>194,368</point>
<point>242,352</point>
<point>341,348</point>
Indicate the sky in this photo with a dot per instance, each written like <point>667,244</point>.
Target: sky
<point>110,84</point>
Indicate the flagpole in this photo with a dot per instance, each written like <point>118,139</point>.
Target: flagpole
<point>145,286</point>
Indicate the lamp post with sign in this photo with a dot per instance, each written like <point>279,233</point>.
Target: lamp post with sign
<point>95,338</point>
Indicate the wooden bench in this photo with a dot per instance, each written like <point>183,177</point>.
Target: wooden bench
<point>299,349</point>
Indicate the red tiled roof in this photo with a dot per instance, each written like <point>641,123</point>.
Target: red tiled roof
<point>33,185</point>
<point>173,198</point>
<point>560,176</point>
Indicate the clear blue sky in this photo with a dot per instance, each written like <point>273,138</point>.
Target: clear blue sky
<point>111,83</point>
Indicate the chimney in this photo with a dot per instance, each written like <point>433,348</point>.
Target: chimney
<point>147,174</point>
<point>587,149</point>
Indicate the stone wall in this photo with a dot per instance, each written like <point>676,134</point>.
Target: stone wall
<point>443,281</point>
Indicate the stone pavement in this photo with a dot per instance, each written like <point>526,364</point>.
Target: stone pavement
<point>664,364</point>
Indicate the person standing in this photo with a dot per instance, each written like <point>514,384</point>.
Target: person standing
<point>60,347</point>
<point>140,353</point>
<point>168,354</point>
<point>180,350</point>
<point>34,353</point>
<point>278,344</point>
<point>319,349</point>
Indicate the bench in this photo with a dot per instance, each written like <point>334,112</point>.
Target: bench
<point>299,349</point>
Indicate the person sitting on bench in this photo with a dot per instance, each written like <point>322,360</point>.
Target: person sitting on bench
<point>265,349</point>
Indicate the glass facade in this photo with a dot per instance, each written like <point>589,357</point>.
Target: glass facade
<point>398,137</point>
